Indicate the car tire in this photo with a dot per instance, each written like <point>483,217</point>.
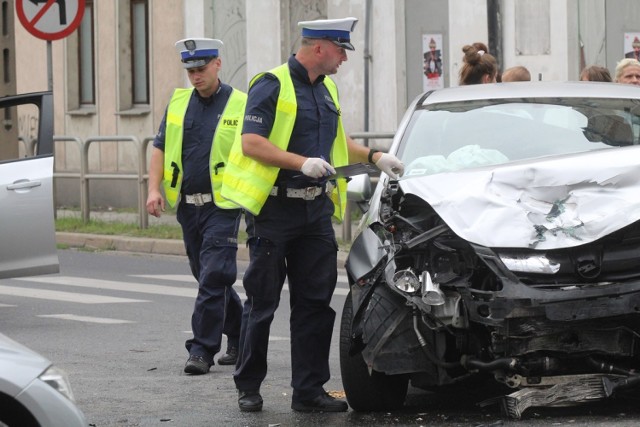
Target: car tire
<point>366,393</point>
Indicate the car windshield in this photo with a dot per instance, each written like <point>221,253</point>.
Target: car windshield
<point>453,136</point>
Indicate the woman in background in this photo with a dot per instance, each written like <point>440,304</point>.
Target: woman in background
<point>479,66</point>
<point>595,73</point>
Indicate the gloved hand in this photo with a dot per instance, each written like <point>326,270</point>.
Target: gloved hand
<point>316,167</point>
<point>391,165</point>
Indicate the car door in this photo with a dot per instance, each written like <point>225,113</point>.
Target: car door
<point>27,228</point>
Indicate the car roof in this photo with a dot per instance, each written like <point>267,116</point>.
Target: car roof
<point>533,89</point>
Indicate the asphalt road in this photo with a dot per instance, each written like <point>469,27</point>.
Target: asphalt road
<point>117,322</point>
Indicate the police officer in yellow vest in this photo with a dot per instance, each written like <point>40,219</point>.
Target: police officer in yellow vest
<point>189,158</point>
<point>292,138</point>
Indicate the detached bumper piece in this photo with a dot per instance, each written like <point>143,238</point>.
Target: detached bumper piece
<point>559,391</point>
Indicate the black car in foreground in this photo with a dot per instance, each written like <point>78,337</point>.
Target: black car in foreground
<point>507,253</point>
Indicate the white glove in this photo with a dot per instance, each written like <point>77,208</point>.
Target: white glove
<point>391,165</point>
<point>316,167</point>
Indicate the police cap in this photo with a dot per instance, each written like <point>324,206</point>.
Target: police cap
<point>198,52</point>
<point>336,30</point>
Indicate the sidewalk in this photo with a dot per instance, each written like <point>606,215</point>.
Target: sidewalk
<point>142,244</point>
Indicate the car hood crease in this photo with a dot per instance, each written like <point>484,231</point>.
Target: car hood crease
<point>547,203</point>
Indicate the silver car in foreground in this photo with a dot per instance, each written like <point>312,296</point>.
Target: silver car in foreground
<point>33,392</point>
<point>507,255</point>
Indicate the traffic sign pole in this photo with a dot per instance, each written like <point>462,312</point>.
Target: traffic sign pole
<point>49,66</point>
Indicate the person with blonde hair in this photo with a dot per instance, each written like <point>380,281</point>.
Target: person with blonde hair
<point>479,66</point>
<point>518,73</point>
<point>628,71</point>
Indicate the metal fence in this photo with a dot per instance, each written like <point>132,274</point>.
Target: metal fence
<point>141,176</point>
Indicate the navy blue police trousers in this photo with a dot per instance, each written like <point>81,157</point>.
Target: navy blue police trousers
<point>210,238</point>
<point>294,239</point>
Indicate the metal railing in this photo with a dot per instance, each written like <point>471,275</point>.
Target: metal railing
<point>141,176</point>
<point>85,175</point>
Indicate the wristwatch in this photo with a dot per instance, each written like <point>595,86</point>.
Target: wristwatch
<point>371,153</point>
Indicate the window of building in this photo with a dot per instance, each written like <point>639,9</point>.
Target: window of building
<point>140,51</point>
<point>533,27</point>
<point>86,60</point>
<point>133,57</point>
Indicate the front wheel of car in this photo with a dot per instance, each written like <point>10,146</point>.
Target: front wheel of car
<point>375,392</point>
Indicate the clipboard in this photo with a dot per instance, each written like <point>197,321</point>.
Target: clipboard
<point>354,169</point>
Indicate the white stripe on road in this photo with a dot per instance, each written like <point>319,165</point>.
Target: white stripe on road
<point>237,284</point>
<point>190,292</point>
<point>8,305</point>
<point>188,278</point>
<point>103,320</point>
<point>115,286</point>
<point>62,296</point>
<point>271,338</point>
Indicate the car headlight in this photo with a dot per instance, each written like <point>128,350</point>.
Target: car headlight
<point>58,379</point>
<point>406,281</point>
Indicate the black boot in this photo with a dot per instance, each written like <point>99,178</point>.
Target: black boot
<point>230,357</point>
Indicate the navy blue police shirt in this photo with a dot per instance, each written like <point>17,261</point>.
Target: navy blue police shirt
<point>316,122</point>
<point>200,122</point>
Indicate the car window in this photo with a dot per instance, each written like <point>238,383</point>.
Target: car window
<point>455,136</point>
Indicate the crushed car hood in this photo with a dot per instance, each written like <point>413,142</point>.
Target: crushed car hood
<point>547,203</point>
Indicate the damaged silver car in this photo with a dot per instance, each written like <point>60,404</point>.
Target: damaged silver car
<point>508,252</point>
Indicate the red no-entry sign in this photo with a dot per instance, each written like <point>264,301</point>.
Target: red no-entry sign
<point>50,19</point>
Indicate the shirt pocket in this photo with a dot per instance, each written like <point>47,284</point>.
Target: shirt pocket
<point>332,106</point>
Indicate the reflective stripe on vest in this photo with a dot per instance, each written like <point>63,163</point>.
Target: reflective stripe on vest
<point>248,182</point>
<point>221,144</point>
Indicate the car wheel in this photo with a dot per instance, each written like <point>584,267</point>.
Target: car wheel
<point>375,392</point>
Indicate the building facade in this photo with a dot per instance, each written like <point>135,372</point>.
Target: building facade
<point>114,75</point>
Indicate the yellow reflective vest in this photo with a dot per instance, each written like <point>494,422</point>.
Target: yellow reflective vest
<point>221,144</point>
<point>247,182</point>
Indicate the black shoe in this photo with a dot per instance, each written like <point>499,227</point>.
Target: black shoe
<point>249,401</point>
<point>230,357</point>
<point>320,403</point>
<point>196,365</point>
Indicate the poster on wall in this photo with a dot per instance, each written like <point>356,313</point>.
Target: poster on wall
<point>632,45</point>
<point>432,61</point>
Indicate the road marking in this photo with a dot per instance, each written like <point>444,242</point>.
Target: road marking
<point>237,284</point>
<point>186,292</point>
<point>271,338</point>
<point>103,320</point>
<point>63,296</point>
<point>86,282</point>
<point>8,305</point>
<point>188,278</point>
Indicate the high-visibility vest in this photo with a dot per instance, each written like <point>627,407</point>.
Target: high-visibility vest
<point>248,182</point>
<point>221,144</point>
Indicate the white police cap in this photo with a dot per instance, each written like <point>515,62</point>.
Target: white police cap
<point>336,30</point>
<point>198,52</point>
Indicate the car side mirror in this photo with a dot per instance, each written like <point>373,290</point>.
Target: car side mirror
<point>359,190</point>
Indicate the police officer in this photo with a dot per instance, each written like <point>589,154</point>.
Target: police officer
<point>189,157</point>
<point>292,139</point>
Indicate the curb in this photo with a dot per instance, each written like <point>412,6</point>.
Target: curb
<point>140,245</point>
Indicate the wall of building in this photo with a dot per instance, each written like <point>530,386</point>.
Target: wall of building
<point>260,35</point>
<point>621,18</point>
